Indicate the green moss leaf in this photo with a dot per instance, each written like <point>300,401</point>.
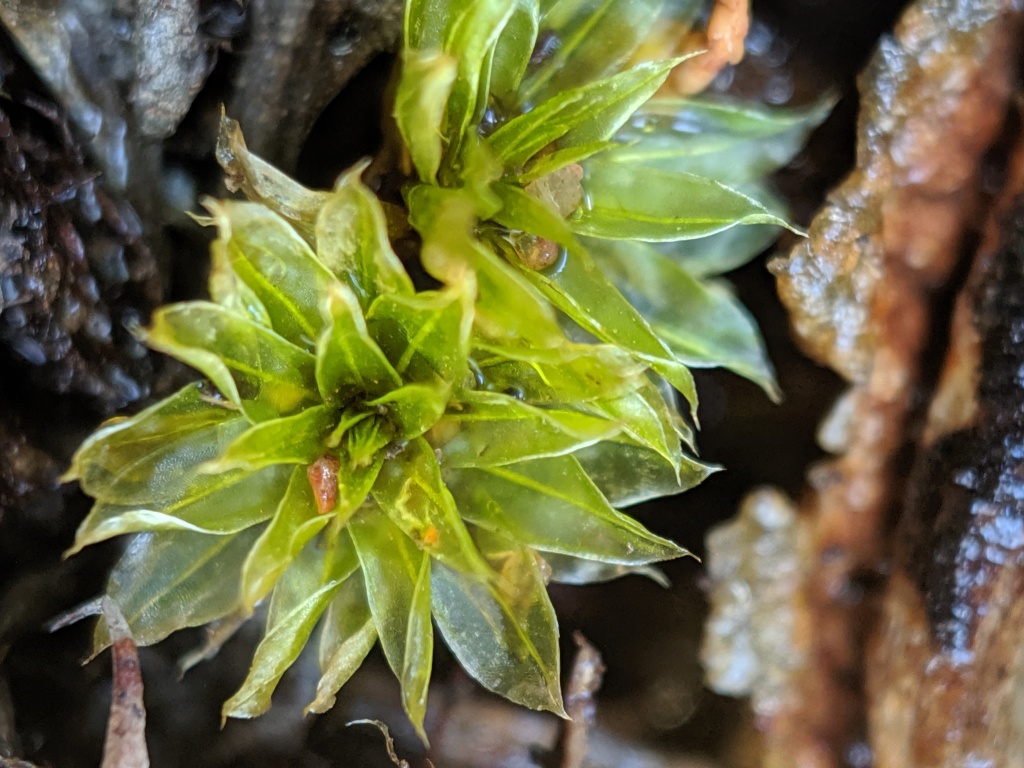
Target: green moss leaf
<point>581,116</point>
<point>398,590</point>
<point>724,251</point>
<point>572,373</point>
<point>646,418</point>
<point>703,323</point>
<point>578,571</point>
<point>628,474</point>
<point>513,50</point>
<point>504,632</point>
<point>297,439</point>
<point>348,360</point>
<point>420,101</point>
<point>352,241</point>
<point>295,522</point>
<point>551,505</point>
<point>226,503</point>
<point>347,637</point>
<point>628,201</point>
<point>278,266</point>
<point>507,306</point>
<point>167,581</point>
<point>411,492</point>
<point>251,365</point>
<point>594,38</point>
<point>300,598</point>
<point>414,408</point>
<point>488,429</point>
<point>727,140</point>
<point>426,336</point>
<point>137,460</point>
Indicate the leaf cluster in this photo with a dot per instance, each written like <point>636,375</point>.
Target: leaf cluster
<point>375,456</point>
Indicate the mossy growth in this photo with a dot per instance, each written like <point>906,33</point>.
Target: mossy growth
<point>379,455</point>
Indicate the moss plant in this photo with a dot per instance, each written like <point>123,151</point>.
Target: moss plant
<point>379,457</point>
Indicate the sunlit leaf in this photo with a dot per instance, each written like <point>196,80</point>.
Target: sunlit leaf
<point>263,183</point>
<point>348,360</point>
<point>248,363</point>
<point>629,201</point>
<point>279,267</point>
<point>398,588</point>
<point>352,241</point>
<point>411,492</point>
<point>294,523</point>
<point>347,637</point>
<point>593,38</point>
<point>300,598</point>
<point>166,581</point>
<point>221,504</point>
<point>420,102</point>
<point>426,336</point>
<point>551,505</point>
<point>629,474</point>
<point>488,429</point>
<point>297,439</point>
<point>504,633</point>
<point>703,323</point>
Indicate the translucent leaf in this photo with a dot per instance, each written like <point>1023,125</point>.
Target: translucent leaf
<point>646,419</point>
<point>578,287</point>
<point>629,474</point>
<point>221,504</point>
<point>398,588</point>
<point>572,373</point>
<point>248,363</point>
<point>470,36</point>
<point>628,201</point>
<point>731,141</point>
<point>263,183</point>
<point>352,240</point>
<point>513,50</point>
<point>594,37</point>
<point>299,599</point>
<point>551,505</point>
<point>703,323</point>
<point>411,492</point>
<point>294,523</point>
<point>488,429</point>
<point>503,632</point>
<point>355,482</point>
<point>297,439</point>
<point>149,457</point>
<point>277,265</point>
<point>347,637</point>
<point>723,251</point>
<point>420,101</point>
<point>578,571</point>
<point>425,21</point>
<point>166,581</point>
<point>426,336</point>
<point>231,292</point>
<point>348,360</point>
<point>413,409</point>
<point>580,116</point>
<point>507,307</point>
